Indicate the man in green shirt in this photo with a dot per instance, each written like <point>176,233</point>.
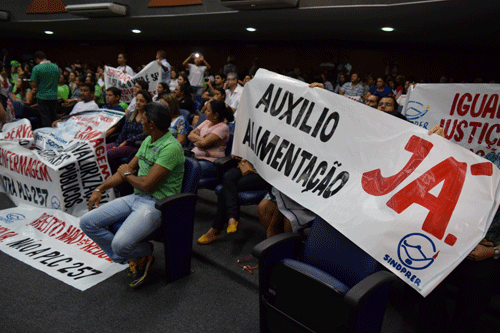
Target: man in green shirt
<point>155,172</point>
<point>45,77</point>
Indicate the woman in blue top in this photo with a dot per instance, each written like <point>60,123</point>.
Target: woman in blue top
<point>379,89</point>
<point>178,126</point>
<point>131,133</point>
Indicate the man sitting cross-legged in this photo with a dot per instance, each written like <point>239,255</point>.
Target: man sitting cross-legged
<point>155,172</point>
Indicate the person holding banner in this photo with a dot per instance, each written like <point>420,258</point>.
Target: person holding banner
<point>122,64</point>
<point>132,132</point>
<point>155,172</point>
<point>477,281</point>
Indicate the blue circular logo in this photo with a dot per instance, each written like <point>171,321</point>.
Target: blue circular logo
<point>416,251</point>
<point>414,110</point>
<point>14,217</point>
<point>56,204</point>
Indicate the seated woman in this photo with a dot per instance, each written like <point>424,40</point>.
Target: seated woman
<point>184,97</point>
<point>380,89</point>
<point>173,80</point>
<point>160,91</point>
<point>242,178</point>
<point>125,145</point>
<point>22,92</point>
<point>178,126</point>
<point>219,95</point>
<point>155,172</point>
<point>210,137</point>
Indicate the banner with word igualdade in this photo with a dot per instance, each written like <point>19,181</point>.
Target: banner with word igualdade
<point>114,77</point>
<point>468,113</point>
<point>51,241</point>
<point>65,169</point>
<point>415,202</point>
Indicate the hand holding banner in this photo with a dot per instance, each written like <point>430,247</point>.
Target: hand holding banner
<point>400,194</point>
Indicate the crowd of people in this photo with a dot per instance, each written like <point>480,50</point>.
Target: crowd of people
<point>158,131</point>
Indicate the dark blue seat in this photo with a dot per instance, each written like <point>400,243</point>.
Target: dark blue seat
<point>197,103</point>
<point>176,230</point>
<point>223,164</point>
<point>334,286</point>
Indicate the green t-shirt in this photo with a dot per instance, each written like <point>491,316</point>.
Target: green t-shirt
<point>100,96</point>
<point>46,75</point>
<point>166,152</point>
<point>63,92</point>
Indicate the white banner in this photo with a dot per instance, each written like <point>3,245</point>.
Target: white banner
<point>468,113</point>
<point>51,241</point>
<point>415,202</point>
<point>18,130</point>
<point>116,78</point>
<point>61,178</point>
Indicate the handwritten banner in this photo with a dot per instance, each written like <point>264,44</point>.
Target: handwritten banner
<point>51,241</point>
<point>402,195</point>
<point>114,77</point>
<point>468,113</point>
<point>65,176</point>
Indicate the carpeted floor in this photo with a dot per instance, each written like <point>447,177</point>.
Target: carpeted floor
<point>217,297</point>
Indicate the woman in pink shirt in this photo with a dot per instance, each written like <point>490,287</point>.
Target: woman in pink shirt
<point>211,136</point>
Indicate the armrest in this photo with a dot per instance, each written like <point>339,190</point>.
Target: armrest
<point>175,199</point>
<point>277,243</point>
<point>358,294</point>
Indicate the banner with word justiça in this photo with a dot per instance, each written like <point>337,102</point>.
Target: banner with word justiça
<point>51,241</point>
<point>415,202</point>
<point>62,178</point>
<point>468,113</point>
<point>114,77</point>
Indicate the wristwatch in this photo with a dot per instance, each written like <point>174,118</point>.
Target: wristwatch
<point>497,252</point>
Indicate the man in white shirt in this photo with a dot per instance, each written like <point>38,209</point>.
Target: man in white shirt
<point>122,65</point>
<point>165,66</point>
<point>233,92</point>
<point>87,104</point>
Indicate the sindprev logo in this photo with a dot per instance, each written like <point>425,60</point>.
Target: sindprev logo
<point>416,110</point>
<point>12,217</point>
<point>417,251</point>
<point>55,202</point>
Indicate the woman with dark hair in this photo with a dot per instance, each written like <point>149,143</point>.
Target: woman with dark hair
<point>380,89</point>
<point>178,126</point>
<point>173,80</point>
<point>185,97</point>
<point>155,172</point>
<point>160,91</point>
<point>131,134</point>
<point>22,91</point>
<point>211,136</point>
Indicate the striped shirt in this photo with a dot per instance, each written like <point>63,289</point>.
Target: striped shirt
<point>353,91</point>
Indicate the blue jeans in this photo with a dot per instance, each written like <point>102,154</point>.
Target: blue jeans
<point>208,169</point>
<point>140,218</point>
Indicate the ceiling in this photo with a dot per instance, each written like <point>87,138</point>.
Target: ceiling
<point>468,24</point>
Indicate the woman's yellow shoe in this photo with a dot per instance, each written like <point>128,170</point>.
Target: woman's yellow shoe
<point>232,228</point>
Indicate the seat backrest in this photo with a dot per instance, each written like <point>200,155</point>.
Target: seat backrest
<point>192,174</point>
<point>327,249</point>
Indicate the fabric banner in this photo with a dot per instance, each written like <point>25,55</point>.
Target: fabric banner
<point>18,130</point>
<point>468,113</point>
<point>65,177</point>
<point>116,78</point>
<point>400,194</point>
<point>51,241</point>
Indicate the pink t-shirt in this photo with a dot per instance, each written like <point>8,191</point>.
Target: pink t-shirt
<point>215,152</point>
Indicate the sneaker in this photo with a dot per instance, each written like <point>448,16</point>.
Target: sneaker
<point>131,265</point>
<point>141,268</point>
<point>131,269</point>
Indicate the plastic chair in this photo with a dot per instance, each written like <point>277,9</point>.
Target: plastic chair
<point>334,286</point>
<point>176,230</point>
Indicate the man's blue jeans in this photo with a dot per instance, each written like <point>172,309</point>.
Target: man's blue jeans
<point>140,218</point>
